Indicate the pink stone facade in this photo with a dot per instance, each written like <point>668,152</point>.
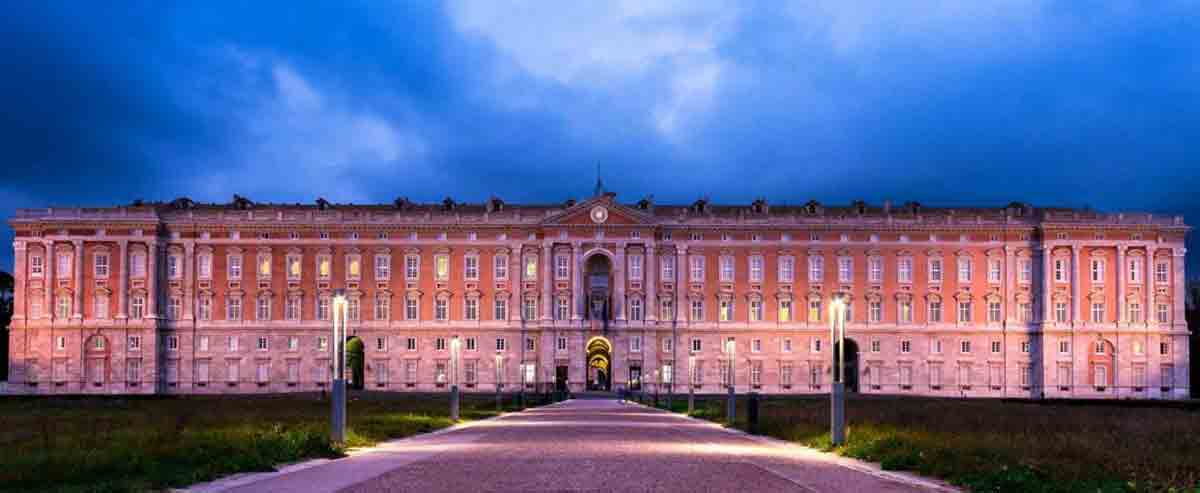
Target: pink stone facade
<point>194,298</point>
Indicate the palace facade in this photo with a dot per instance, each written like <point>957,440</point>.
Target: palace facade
<point>187,298</point>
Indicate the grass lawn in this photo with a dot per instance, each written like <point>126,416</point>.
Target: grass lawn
<point>151,443</point>
<point>993,445</point>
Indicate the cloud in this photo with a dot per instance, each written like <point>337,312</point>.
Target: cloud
<point>319,133</point>
<point>670,47</point>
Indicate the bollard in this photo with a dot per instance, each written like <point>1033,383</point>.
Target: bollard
<point>691,399</point>
<point>453,403</point>
<point>731,406</point>
<point>752,413</point>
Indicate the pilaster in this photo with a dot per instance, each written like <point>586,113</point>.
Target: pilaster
<point>189,261</point>
<point>1120,271</point>
<point>681,267</point>
<point>619,283</point>
<point>650,280</point>
<point>49,266</point>
<point>153,250</point>
<point>1178,289</point>
<point>546,275</point>
<point>123,282</point>
<point>1076,320</point>
<point>1010,282</point>
<point>20,272</point>
<point>1151,310</point>
<point>1047,284</point>
<point>77,313</point>
<point>577,302</point>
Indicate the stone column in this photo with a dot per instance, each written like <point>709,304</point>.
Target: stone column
<point>123,282</point>
<point>1075,302</point>
<point>650,280</point>
<point>577,302</point>
<point>680,281</point>
<point>78,285</point>
<point>1178,293</point>
<point>189,256</point>
<point>19,285</point>
<point>152,256</point>
<point>1148,277</point>
<point>1122,313</point>
<point>619,283</point>
<point>49,265</point>
<point>1047,284</point>
<point>546,275</point>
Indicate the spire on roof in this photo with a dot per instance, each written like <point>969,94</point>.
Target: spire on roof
<point>599,182</point>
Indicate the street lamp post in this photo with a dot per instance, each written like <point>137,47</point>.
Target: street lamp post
<point>837,391</point>
<point>337,425</point>
<point>454,346</point>
<point>731,405</point>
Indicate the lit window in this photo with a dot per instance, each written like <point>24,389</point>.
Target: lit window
<point>785,311</point>
<point>726,310</point>
<point>441,267</point>
<point>353,267</point>
<point>756,311</point>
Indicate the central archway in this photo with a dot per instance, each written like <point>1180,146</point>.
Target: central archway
<point>599,364</point>
<point>355,362</point>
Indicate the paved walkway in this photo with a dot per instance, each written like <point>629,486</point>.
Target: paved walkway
<point>588,445</point>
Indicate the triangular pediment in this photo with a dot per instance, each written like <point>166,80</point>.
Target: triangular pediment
<point>614,214</point>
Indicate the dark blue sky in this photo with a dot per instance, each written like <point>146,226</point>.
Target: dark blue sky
<point>981,102</point>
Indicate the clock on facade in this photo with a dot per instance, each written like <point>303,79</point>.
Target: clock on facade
<point>599,214</point>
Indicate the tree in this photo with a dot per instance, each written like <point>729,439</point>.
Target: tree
<point>6,311</point>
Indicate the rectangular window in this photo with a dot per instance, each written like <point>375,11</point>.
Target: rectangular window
<point>906,346</point>
<point>668,344</point>
<point>1135,270</point>
<point>35,266</point>
<point>756,311</point>
<point>1168,376</point>
<point>412,267</point>
<point>756,268</point>
<point>1097,313</point>
<point>562,267</point>
<point>935,312</point>
<point>996,346</point>
<point>1025,274</point>
<point>1064,347</point>
<point>787,269</point>
<point>1135,313</point>
<point>291,308</point>
<point>1060,313</point>
<point>965,347</point>
<point>64,265</point>
<point>875,311</point>
<point>471,309</point>
<point>756,373</point>
<point>666,310</point>
<point>441,309</point>
<point>530,309</point>
<point>635,309</point>
<point>235,267</point>
<point>875,269</point>
<point>964,312</point>
<point>994,269</point>
<point>530,343</point>
<point>814,376</point>
<point>668,268</point>
<point>263,344</point>
<point>1161,272</point>
<point>696,344</point>
<point>697,269</point>
<point>845,269</point>
<point>133,368</point>
<point>994,311</point>
<point>383,267</point>
<point>635,267</point>
<point>935,270</point>
<point>204,266</point>
<point>697,310</point>
<point>785,374</point>
<point>63,307</point>
<point>530,268</point>
<point>441,267</point>
<point>726,310</point>
<point>1164,348</point>
<point>561,343</point>
<point>904,270</point>
<point>101,265</point>
<point>353,267</point>
<point>964,269</point>
<point>471,344</point>
<point>471,268</point>
<point>1060,270</point>
<point>323,304</point>
<point>1097,271</point>
<point>137,307</point>
<point>383,307</point>
<point>410,343</point>
<point>501,344</point>
<point>786,345</point>
<point>263,311</point>
<point>174,308</point>
<point>1163,313</point>
<point>635,344</point>
<point>294,269</point>
<point>816,345</point>
<point>814,310</point>
<point>410,309</point>
<point>352,310</point>
<point>816,269</point>
<point>500,309</point>
<point>231,344</point>
<point>785,311</point>
<point>935,346</point>
<point>906,376</point>
<point>293,343</point>
<point>562,308</point>
<point>500,267</point>
<point>264,266</point>
<point>135,343</point>
<point>1025,310</point>
<point>439,344</point>
<point>726,268</point>
<point>322,343</point>
<point>876,346</point>
<point>324,267</point>
<point>905,311</point>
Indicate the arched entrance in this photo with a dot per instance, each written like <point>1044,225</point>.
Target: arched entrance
<point>354,363</point>
<point>851,358</point>
<point>598,270</point>
<point>599,367</point>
